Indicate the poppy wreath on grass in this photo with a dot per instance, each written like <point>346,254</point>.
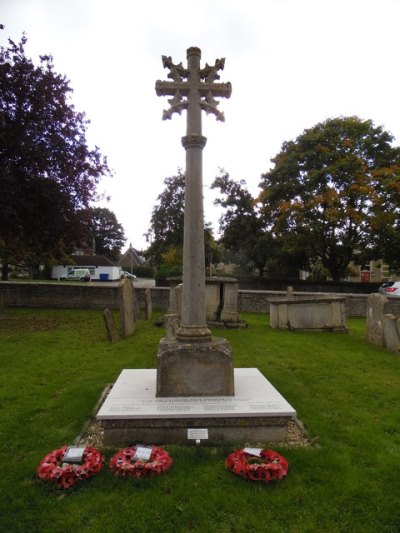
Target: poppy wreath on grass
<point>125,464</point>
<point>269,465</point>
<point>64,475</point>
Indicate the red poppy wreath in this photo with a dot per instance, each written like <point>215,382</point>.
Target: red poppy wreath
<point>126,464</point>
<point>266,466</point>
<point>53,467</point>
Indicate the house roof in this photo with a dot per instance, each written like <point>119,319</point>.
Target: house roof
<point>131,256</point>
<point>91,260</point>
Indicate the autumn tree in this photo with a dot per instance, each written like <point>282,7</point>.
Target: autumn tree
<point>106,233</point>
<point>334,191</point>
<point>48,174</point>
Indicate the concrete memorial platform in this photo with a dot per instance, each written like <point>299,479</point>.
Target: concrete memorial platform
<point>132,412</point>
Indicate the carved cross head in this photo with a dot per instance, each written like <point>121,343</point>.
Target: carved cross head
<point>193,84</point>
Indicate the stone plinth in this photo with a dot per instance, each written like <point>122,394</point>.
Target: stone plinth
<point>320,313</point>
<point>194,369</point>
<point>132,413</point>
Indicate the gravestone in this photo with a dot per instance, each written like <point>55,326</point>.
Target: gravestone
<point>391,332</point>
<point>229,312</point>
<point>376,309</point>
<point>136,309</point>
<point>148,308</point>
<point>127,307</point>
<point>111,327</point>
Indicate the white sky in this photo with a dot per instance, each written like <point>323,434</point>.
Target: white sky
<point>292,64</point>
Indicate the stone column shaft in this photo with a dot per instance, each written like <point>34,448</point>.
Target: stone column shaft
<point>193,324</point>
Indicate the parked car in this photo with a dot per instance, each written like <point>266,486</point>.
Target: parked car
<point>125,274</point>
<point>391,289</point>
<point>77,274</point>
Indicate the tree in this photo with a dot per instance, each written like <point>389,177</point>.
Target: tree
<point>330,190</point>
<point>243,229</point>
<point>166,227</point>
<point>166,224</point>
<point>107,233</point>
<point>48,175</point>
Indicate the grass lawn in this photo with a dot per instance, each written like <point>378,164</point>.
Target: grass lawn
<point>55,364</point>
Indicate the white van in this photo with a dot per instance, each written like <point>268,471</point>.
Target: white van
<point>77,274</point>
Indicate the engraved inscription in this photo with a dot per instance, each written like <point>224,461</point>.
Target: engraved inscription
<point>265,406</point>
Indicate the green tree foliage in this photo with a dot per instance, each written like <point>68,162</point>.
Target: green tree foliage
<point>243,229</point>
<point>166,228</point>
<point>166,224</point>
<point>107,233</point>
<point>48,175</point>
<point>334,192</point>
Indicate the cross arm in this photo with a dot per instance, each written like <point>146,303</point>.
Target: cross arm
<point>184,81</point>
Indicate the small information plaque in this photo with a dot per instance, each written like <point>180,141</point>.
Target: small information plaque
<point>253,451</point>
<point>73,455</point>
<point>197,434</point>
<point>143,453</point>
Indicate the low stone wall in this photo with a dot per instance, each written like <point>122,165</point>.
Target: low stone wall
<point>59,295</point>
<point>73,296</point>
<point>100,296</point>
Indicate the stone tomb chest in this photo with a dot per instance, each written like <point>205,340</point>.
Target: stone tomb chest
<point>221,298</point>
<point>320,313</point>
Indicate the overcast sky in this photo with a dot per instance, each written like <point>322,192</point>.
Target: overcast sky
<point>292,64</point>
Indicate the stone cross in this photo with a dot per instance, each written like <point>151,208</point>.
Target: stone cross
<point>193,89</point>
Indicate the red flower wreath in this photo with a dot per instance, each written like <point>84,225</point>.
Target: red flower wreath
<point>268,466</point>
<point>124,463</point>
<point>52,467</point>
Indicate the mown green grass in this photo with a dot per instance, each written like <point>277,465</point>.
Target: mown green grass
<point>55,364</point>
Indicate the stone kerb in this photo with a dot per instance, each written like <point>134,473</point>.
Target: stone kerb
<point>376,309</point>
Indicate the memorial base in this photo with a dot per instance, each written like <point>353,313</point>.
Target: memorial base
<point>194,368</point>
<point>133,414</point>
